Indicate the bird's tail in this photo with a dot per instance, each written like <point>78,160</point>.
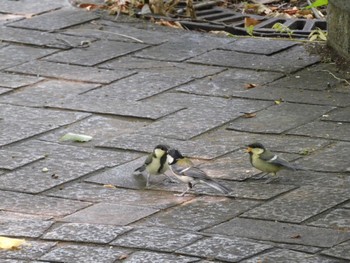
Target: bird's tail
<point>223,189</point>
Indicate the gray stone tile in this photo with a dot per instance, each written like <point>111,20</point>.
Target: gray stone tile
<point>154,257</point>
<point>133,63</point>
<point>14,81</point>
<point>300,204</point>
<point>158,239</point>
<point>40,205</point>
<point>280,232</point>
<point>229,83</point>
<point>91,233</point>
<point>191,215</point>
<point>42,93</point>
<point>284,255</point>
<point>4,90</point>
<point>27,7</point>
<point>286,117</point>
<point>83,254</point>
<point>339,115</point>
<point>23,227</point>
<point>287,61</point>
<point>55,20</point>
<point>339,251</point>
<point>11,160</point>
<point>32,251</point>
<point>15,55</point>
<point>336,219</point>
<point>324,129</point>
<point>96,53</point>
<point>69,72</point>
<point>110,214</point>
<point>334,159</point>
<point>98,193</point>
<point>22,122</point>
<point>222,248</point>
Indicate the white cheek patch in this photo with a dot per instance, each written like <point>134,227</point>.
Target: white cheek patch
<point>170,159</point>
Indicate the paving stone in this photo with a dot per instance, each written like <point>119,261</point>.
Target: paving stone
<point>83,254</point>
<point>336,219</point>
<point>43,39</point>
<point>96,53</point>
<point>14,81</point>
<point>334,159</point>
<point>4,90</point>
<point>23,227</point>
<point>21,122</point>
<point>154,257</point>
<point>11,160</point>
<point>16,261</point>
<point>191,215</point>
<point>300,204</point>
<point>98,193</point>
<point>28,7</point>
<point>295,247</point>
<point>42,93</point>
<point>222,248</point>
<point>184,47</point>
<point>32,251</point>
<point>264,46</point>
<point>283,255</point>
<point>229,83</point>
<point>91,233</point>
<point>286,117</point>
<point>56,20</point>
<point>339,251</point>
<point>15,55</point>
<point>324,129</point>
<point>69,72</point>
<point>280,232</point>
<point>339,115</point>
<point>34,204</point>
<point>158,239</point>
<point>133,63</point>
<point>288,61</point>
<point>110,214</point>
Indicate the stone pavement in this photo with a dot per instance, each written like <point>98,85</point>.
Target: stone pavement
<point>131,85</point>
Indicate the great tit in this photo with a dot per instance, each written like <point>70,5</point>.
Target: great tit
<point>266,161</point>
<point>156,163</point>
<point>185,171</point>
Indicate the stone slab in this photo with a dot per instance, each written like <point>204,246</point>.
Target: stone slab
<point>324,129</point>
<point>34,250</point>
<point>155,257</point>
<point>288,61</point>
<point>223,248</point>
<point>30,7</point>
<point>96,53</point>
<point>280,232</point>
<point>69,72</point>
<point>300,204</point>
<point>91,233</point>
<point>83,254</point>
<point>39,205</point>
<point>158,239</point>
<point>4,90</point>
<point>339,251</point>
<point>130,62</point>
<point>33,228</point>
<point>335,219</point>
<point>56,20</point>
<point>11,160</point>
<point>338,115</point>
<point>286,117</point>
<point>110,214</point>
<point>14,81</point>
<point>191,215</point>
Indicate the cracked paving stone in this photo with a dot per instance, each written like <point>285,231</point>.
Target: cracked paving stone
<point>280,232</point>
<point>96,53</point>
<point>70,72</point>
<point>339,251</point>
<point>84,254</point>
<point>154,257</point>
<point>22,122</point>
<point>286,117</point>
<point>131,63</point>
<point>42,93</point>
<point>14,81</point>
<point>284,255</point>
<point>324,129</point>
<point>288,61</point>
<point>28,7</point>
<point>191,215</point>
<point>159,239</point>
<point>300,204</point>
<point>11,160</point>
<point>32,251</point>
<point>56,20</point>
<point>336,219</point>
<point>110,214</point>
<point>23,227</point>
<point>334,159</point>
<point>12,55</point>
<point>339,115</point>
<point>97,193</point>
<point>222,248</point>
<point>91,233</point>
<point>40,205</point>
<point>229,83</point>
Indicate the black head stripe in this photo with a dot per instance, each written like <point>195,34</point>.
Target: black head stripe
<point>256,145</point>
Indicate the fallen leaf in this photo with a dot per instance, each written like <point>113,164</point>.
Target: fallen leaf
<point>248,21</point>
<point>173,24</point>
<point>278,102</point>
<point>296,236</point>
<point>249,115</point>
<point>250,85</point>
<point>7,243</point>
<point>109,186</point>
<point>123,256</point>
<point>74,137</point>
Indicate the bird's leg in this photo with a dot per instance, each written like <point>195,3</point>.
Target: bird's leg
<point>189,187</point>
<point>147,180</point>
<point>272,179</point>
<point>259,176</point>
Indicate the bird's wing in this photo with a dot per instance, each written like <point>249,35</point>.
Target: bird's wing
<point>274,159</point>
<point>147,162</point>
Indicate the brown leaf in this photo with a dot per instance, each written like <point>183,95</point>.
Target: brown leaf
<point>123,256</point>
<point>248,21</point>
<point>109,186</point>
<point>250,85</point>
<point>249,115</point>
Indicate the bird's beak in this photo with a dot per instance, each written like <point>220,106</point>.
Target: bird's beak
<point>248,150</point>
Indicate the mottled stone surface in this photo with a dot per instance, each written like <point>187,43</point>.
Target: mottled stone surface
<point>154,257</point>
<point>23,227</point>
<point>33,250</point>
<point>335,219</point>
<point>13,159</point>
<point>31,7</point>
<point>339,115</point>
<point>14,81</point>
<point>339,251</point>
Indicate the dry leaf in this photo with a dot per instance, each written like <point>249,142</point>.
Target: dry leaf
<point>296,236</point>
<point>109,186</point>
<point>173,24</point>
<point>278,102</point>
<point>248,21</point>
<point>7,243</point>
<point>122,257</point>
<point>250,85</point>
<point>249,115</point>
